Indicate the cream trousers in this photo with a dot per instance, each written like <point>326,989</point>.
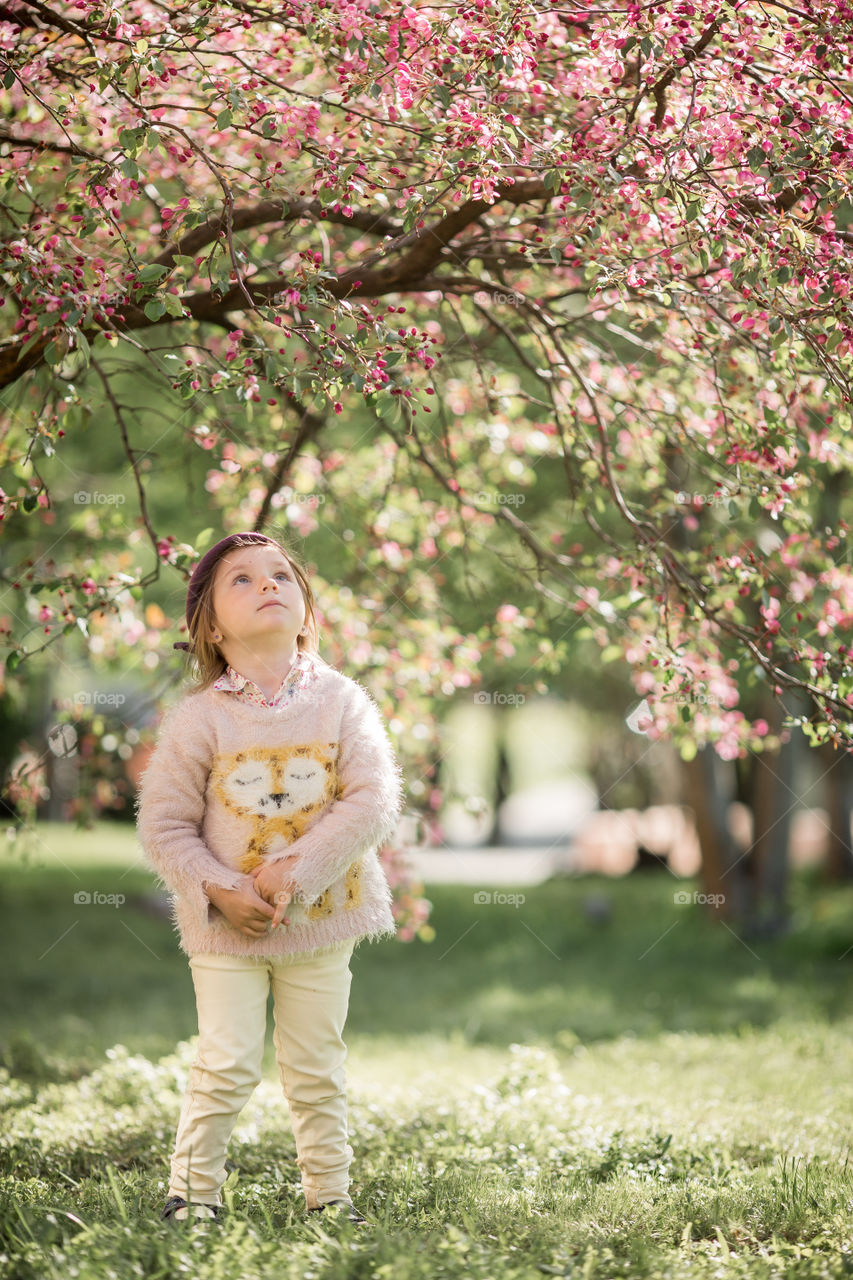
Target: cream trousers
<point>310,1002</point>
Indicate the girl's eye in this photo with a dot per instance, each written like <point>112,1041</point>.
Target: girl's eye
<point>280,574</point>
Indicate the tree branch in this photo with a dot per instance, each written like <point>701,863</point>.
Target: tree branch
<point>270,212</point>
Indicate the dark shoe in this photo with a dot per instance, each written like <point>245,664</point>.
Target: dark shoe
<point>353,1215</point>
<point>177,1208</point>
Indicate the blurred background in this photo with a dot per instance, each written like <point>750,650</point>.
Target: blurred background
<point>518,787</point>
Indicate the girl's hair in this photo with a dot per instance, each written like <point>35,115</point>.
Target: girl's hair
<point>209,662</point>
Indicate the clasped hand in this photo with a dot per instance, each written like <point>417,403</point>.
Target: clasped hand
<point>274,885</point>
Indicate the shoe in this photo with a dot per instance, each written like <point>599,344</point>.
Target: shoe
<point>353,1215</point>
<point>177,1208</point>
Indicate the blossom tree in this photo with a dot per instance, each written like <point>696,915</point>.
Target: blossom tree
<point>608,245</point>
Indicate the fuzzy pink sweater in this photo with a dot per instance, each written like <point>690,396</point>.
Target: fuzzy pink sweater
<point>232,783</point>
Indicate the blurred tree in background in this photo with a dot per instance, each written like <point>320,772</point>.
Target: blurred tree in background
<point>532,325</point>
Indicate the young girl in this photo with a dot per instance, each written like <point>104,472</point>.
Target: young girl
<point>271,787</point>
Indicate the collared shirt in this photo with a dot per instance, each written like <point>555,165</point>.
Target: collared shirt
<point>299,677</point>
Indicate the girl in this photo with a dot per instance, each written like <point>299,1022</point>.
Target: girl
<point>271,787</point>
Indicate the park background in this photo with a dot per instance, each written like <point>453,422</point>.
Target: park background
<point>528,328</point>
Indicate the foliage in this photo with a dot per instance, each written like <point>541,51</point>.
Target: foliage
<point>592,265</point>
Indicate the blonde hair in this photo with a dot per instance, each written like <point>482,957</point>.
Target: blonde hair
<point>209,662</point>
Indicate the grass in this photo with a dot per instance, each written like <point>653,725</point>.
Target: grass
<point>531,1094</point>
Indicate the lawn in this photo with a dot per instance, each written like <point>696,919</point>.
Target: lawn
<point>535,1092</point>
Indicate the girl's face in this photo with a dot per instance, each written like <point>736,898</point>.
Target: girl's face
<point>255,594</point>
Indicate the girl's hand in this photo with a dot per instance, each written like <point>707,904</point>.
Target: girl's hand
<point>243,907</point>
<point>273,883</point>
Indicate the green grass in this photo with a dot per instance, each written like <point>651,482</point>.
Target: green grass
<point>530,1094</point>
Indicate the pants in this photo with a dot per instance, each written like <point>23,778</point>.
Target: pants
<point>311,998</point>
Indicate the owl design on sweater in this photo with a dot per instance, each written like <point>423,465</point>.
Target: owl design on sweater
<point>278,790</point>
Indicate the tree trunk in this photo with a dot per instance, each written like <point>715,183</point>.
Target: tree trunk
<point>503,785</point>
<point>838,778</point>
<point>838,782</point>
<point>708,796</point>
<point>773,802</point>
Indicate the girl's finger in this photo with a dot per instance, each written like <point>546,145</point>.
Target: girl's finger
<point>282,903</point>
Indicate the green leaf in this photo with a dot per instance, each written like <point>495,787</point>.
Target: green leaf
<point>12,661</point>
<point>83,348</point>
<point>155,309</point>
<point>224,119</point>
<point>153,271</point>
<point>52,354</point>
<point>387,406</point>
<point>131,139</point>
<point>174,306</point>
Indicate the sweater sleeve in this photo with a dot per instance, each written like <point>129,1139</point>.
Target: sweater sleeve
<point>170,808</point>
<point>367,808</point>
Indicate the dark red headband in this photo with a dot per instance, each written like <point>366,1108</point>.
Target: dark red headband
<point>206,564</point>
